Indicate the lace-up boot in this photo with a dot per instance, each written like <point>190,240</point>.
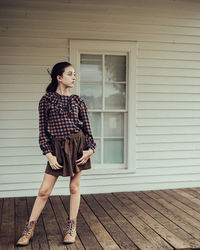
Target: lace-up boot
<point>27,233</point>
<point>71,232</point>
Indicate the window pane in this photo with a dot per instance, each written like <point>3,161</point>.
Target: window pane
<point>95,123</point>
<point>96,157</point>
<point>115,68</point>
<point>113,151</point>
<point>91,68</point>
<point>115,96</point>
<point>114,125</point>
<point>92,95</point>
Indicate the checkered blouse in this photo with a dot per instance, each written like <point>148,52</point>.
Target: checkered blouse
<point>61,115</point>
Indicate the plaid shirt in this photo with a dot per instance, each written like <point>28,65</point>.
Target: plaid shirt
<point>61,115</point>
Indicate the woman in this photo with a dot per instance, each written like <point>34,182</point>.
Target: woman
<point>66,139</point>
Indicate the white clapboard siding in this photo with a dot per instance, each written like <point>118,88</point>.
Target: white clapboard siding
<point>35,35</point>
<point>169,80</point>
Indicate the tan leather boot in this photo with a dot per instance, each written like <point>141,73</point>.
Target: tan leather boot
<point>71,232</point>
<point>27,233</point>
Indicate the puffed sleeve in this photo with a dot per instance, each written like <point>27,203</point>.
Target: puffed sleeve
<point>83,115</point>
<point>44,140</point>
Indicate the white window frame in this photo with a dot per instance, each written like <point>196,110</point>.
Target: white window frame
<point>78,47</point>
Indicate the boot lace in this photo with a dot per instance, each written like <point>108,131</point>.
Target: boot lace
<point>70,228</point>
<point>27,229</point>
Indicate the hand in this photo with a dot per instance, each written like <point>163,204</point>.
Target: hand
<point>53,161</point>
<point>85,157</point>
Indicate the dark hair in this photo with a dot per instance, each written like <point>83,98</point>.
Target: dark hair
<point>57,69</point>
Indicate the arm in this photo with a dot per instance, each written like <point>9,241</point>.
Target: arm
<point>91,145</point>
<point>43,137</point>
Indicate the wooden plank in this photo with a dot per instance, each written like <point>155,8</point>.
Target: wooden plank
<point>1,210</point>
<point>39,240</point>
<point>53,233</point>
<point>99,231</point>
<point>178,197</point>
<point>139,240</point>
<point>7,232</point>
<point>187,195</point>
<point>20,219</point>
<point>184,207</point>
<point>197,189</point>
<point>141,226</point>
<point>174,216</point>
<point>61,217</point>
<point>83,230</point>
<point>166,234</point>
<point>193,193</point>
<point>116,233</point>
<point>164,220</point>
<point>178,213</point>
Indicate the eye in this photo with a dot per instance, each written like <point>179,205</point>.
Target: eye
<point>70,73</point>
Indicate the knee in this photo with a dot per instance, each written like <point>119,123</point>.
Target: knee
<point>74,188</point>
<point>43,193</point>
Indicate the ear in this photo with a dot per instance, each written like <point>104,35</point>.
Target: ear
<point>59,78</point>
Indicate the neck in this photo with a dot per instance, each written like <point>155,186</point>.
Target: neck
<point>63,91</point>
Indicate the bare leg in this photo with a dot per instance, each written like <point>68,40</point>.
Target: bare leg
<point>43,194</point>
<point>74,195</point>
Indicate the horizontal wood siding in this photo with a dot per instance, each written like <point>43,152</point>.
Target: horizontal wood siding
<point>35,34</point>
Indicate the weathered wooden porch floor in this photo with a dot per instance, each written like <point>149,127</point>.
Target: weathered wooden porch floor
<point>164,219</point>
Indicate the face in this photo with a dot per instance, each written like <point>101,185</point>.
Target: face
<point>68,77</point>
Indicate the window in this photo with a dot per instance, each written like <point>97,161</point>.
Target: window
<point>106,84</point>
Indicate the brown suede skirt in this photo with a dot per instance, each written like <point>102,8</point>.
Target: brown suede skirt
<point>67,150</point>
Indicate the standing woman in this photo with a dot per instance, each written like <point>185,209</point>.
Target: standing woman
<point>66,139</point>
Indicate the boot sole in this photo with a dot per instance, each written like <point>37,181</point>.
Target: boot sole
<point>21,244</point>
<point>68,242</point>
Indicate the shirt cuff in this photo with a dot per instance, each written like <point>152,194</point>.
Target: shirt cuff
<point>46,152</point>
<point>92,147</point>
